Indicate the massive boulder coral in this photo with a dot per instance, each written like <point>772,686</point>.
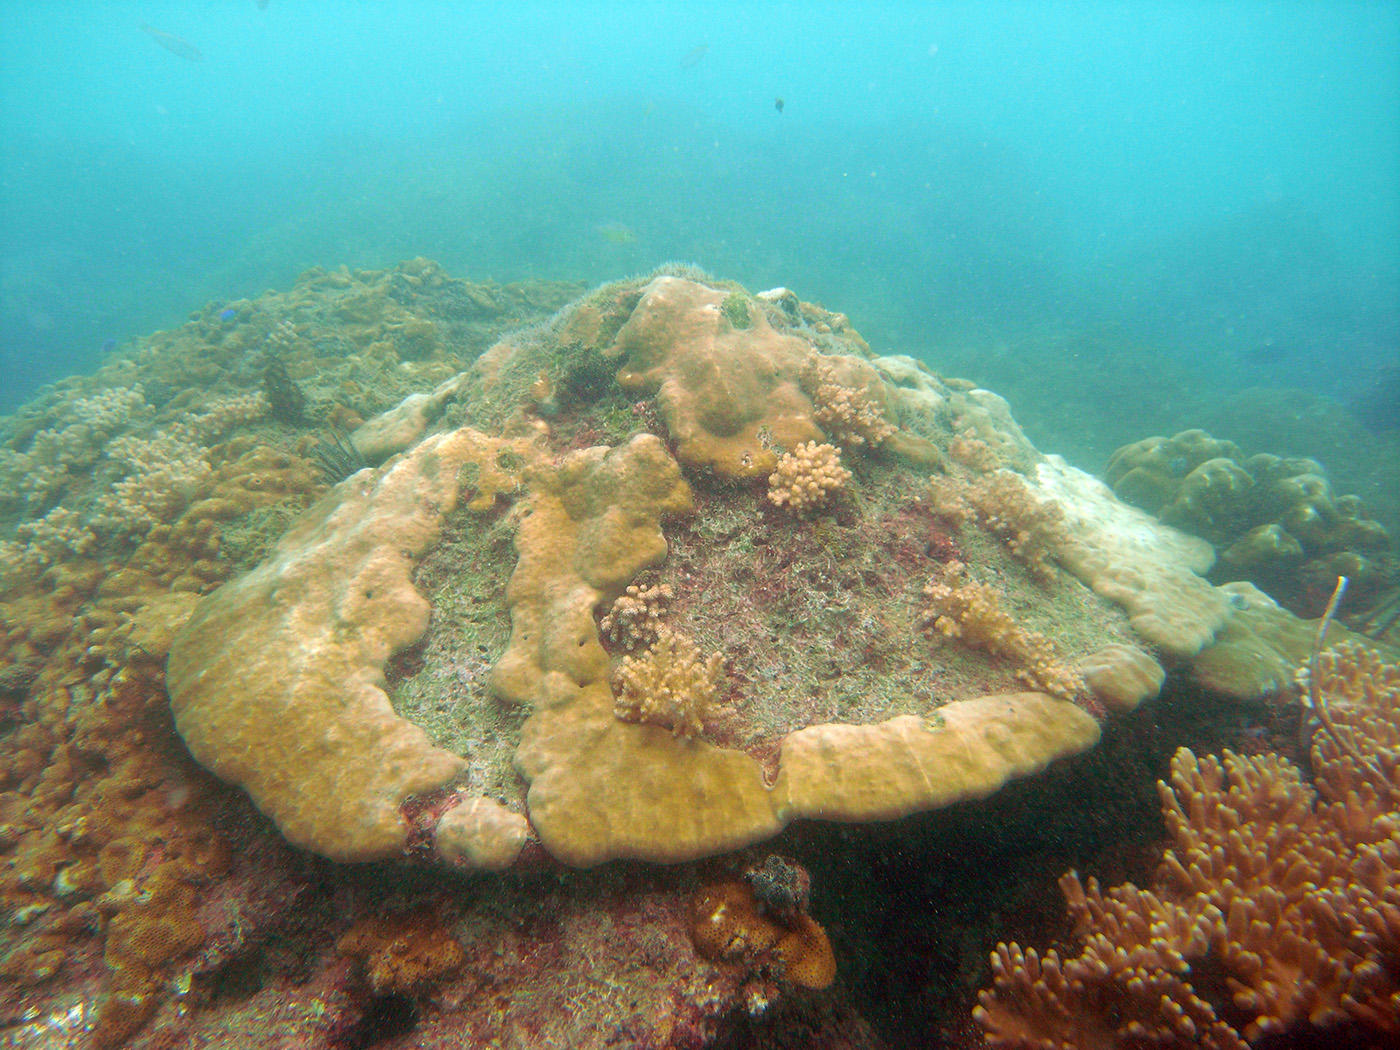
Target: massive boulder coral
<point>276,681</point>
<point>626,444</point>
<point>1274,521</point>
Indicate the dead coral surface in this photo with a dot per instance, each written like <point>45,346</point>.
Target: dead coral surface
<point>1276,911</point>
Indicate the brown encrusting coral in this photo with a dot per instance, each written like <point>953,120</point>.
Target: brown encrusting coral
<point>402,952</point>
<point>736,922</point>
<point>1276,911</point>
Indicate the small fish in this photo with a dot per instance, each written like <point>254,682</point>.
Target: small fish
<point>778,103</point>
<point>228,313</point>
<point>616,233</point>
<point>692,58</point>
<point>172,43</point>
<point>109,346</point>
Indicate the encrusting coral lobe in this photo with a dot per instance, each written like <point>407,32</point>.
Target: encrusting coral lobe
<point>532,720</point>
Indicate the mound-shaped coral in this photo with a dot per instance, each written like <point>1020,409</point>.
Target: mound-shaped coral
<point>597,487</point>
<point>1274,521</point>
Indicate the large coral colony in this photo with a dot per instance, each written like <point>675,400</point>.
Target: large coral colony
<point>461,591</point>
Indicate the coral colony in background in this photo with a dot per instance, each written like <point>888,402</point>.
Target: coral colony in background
<point>399,661</point>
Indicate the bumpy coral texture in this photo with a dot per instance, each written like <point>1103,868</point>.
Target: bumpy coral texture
<point>849,415</point>
<point>1275,521</point>
<point>403,953</point>
<point>670,685</point>
<point>634,620</point>
<point>730,925</point>
<point>807,478</point>
<point>1276,912</point>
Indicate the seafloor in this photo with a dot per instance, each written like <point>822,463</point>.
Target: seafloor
<point>398,661</point>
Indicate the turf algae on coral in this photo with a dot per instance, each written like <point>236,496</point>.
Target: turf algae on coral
<point>608,779</point>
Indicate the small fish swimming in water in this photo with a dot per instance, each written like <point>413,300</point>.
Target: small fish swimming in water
<point>172,43</point>
<point>778,103</point>
<point>616,233</point>
<point>228,313</point>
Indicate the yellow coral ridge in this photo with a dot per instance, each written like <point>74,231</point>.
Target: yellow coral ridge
<point>277,681</point>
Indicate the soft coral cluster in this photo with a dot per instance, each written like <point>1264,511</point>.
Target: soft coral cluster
<point>1276,911</point>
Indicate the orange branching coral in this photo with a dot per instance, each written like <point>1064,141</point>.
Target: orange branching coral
<point>1276,911</point>
<point>967,609</point>
<point>669,685</point>
<point>405,952</point>
<point>847,414</point>
<point>807,478</point>
<point>634,619</point>
<point>1363,694</point>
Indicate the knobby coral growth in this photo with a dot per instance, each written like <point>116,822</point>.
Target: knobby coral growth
<point>847,414</point>
<point>634,619</point>
<point>1002,503</point>
<point>669,685</point>
<point>1276,911</point>
<point>807,478</point>
<point>967,609</point>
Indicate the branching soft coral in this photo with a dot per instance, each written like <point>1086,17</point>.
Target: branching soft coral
<point>635,618</point>
<point>967,609</point>
<point>1002,504</point>
<point>669,685</point>
<point>847,414</point>
<point>807,478</point>
<point>1276,910</point>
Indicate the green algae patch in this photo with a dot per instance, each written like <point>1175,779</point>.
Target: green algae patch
<point>441,684</point>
